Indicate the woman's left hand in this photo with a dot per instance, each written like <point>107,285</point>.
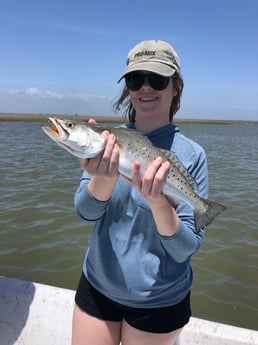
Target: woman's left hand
<point>150,185</point>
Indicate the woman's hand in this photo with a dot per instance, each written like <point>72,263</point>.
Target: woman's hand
<point>106,163</point>
<point>150,186</point>
<point>103,168</point>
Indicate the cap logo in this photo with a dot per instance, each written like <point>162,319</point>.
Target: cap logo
<point>145,52</point>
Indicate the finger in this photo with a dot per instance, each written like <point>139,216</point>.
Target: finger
<point>109,160</point>
<point>93,164</point>
<point>136,176</point>
<point>110,143</point>
<point>105,134</point>
<point>104,157</point>
<point>92,121</point>
<point>148,178</point>
<point>114,160</point>
<point>159,179</point>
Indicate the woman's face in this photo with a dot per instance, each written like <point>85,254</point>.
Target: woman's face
<point>151,104</point>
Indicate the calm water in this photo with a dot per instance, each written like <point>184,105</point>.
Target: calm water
<point>43,240</point>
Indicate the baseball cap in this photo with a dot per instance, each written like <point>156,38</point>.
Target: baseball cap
<point>153,56</point>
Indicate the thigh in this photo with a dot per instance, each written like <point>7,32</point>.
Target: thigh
<point>89,330</point>
<point>133,336</point>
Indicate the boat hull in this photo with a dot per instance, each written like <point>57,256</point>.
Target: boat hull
<point>33,313</point>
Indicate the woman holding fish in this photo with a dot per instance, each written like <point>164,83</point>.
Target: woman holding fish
<point>136,280</point>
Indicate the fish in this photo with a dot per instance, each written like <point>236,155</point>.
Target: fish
<point>84,140</point>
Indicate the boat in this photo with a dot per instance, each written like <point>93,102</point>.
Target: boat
<point>38,314</point>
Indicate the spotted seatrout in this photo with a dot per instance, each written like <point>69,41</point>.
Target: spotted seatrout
<point>84,140</point>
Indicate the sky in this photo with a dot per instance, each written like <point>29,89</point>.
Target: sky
<point>65,57</point>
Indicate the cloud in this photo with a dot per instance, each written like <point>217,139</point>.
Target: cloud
<point>35,100</point>
<point>36,93</point>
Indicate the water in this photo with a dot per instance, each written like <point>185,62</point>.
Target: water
<point>43,240</point>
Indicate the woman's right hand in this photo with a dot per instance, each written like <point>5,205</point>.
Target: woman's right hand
<point>103,168</point>
<point>105,164</point>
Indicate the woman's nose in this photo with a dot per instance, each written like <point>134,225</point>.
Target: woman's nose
<point>146,82</point>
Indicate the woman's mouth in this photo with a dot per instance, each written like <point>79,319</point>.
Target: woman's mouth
<point>147,99</point>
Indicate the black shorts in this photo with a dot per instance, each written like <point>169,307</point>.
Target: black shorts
<point>154,320</point>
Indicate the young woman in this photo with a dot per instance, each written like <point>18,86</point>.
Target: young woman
<point>136,279</point>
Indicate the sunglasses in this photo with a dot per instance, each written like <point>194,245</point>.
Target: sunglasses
<point>135,80</point>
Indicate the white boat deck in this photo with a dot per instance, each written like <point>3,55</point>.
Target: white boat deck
<point>37,314</point>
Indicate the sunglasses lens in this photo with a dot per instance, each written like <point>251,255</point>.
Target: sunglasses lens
<point>157,82</point>
<point>135,80</point>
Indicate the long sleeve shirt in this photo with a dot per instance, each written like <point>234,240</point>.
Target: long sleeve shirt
<point>127,259</point>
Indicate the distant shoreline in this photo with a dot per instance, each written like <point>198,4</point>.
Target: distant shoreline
<point>44,117</point>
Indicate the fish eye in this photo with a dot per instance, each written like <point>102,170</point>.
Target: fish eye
<point>70,124</point>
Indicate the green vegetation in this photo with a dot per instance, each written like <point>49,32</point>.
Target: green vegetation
<point>44,117</point>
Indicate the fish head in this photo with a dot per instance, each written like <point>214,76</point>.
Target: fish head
<point>79,139</point>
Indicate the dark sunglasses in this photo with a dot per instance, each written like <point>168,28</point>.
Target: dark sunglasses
<point>135,80</point>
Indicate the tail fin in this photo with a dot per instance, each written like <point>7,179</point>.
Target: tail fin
<point>212,209</point>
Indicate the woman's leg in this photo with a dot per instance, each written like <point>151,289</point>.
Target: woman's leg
<point>88,330</point>
<point>133,336</point>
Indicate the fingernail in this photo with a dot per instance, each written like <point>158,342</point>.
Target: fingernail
<point>167,164</point>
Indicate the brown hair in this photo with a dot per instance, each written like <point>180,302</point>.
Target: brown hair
<point>124,100</point>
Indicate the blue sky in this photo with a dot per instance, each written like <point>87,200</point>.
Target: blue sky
<point>65,57</point>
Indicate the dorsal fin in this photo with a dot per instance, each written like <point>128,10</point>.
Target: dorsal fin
<point>131,133</point>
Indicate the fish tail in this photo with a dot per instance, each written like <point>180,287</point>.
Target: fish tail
<point>212,209</point>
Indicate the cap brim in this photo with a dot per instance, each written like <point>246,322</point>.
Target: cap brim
<point>155,67</point>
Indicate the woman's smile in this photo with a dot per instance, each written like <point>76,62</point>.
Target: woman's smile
<point>148,98</point>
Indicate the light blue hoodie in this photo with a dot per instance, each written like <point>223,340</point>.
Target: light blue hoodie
<point>127,259</point>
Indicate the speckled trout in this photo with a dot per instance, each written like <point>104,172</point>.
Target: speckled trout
<point>84,140</point>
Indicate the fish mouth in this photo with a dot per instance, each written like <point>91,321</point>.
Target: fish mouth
<point>57,129</point>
